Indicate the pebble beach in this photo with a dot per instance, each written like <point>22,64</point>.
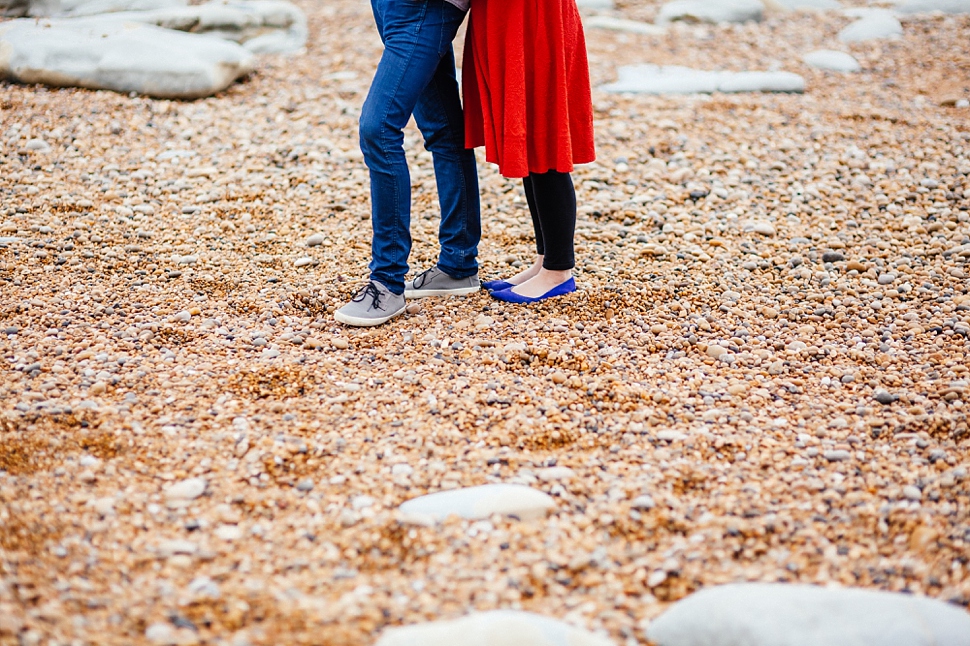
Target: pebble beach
<point>763,377</point>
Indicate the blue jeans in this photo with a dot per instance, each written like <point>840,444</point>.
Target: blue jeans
<point>416,75</point>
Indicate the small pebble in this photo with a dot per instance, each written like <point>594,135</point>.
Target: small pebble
<point>912,493</point>
<point>884,397</point>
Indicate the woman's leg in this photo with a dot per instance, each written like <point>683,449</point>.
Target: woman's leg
<point>554,214</point>
<point>534,268</point>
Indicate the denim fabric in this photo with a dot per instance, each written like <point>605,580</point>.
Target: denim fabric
<point>416,75</point>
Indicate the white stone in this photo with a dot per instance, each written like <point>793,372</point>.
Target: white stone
<point>109,54</point>
<point>643,502</point>
<point>229,532</point>
<point>37,146</point>
<point>622,24</point>
<point>263,26</point>
<point>911,492</point>
<point>205,587</point>
<point>829,59</point>
<point>315,240</point>
<point>555,474</point>
<point>362,502</point>
<point>766,614</point>
<point>60,8</point>
<point>763,227</point>
<point>873,24</point>
<point>104,506</point>
<point>505,627</point>
<point>674,79</point>
<point>476,503</point>
<point>711,11</point>
<point>189,489</point>
<point>927,6</point>
<point>714,351</point>
<point>803,5</point>
<point>161,633</point>
<point>175,546</point>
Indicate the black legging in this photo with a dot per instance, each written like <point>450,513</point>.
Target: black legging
<point>552,204</point>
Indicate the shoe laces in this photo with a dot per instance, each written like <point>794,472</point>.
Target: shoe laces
<point>371,290</point>
<point>423,277</point>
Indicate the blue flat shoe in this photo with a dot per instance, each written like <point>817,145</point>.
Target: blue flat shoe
<point>509,296</point>
<point>497,285</point>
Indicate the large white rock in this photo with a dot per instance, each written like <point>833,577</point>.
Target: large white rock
<point>479,502</point>
<point>504,627</point>
<point>263,26</point>
<point>622,24</point>
<point>674,79</point>
<point>115,55</point>
<point>77,8</point>
<point>712,11</point>
<point>926,6</point>
<point>777,614</point>
<point>829,59</point>
<point>873,24</point>
<point>803,5</point>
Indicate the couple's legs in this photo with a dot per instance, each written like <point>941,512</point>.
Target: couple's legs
<point>552,205</point>
<point>416,75</point>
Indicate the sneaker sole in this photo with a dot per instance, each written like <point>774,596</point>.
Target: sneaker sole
<point>357,321</point>
<point>421,293</point>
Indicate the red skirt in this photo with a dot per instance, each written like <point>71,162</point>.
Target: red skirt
<point>525,80</point>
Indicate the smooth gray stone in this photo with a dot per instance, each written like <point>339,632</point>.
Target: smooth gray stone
<point>873,24</point>
<point>777,614</point>
<point>711,11</point>
<point>835,61</point>
<point>796,5</point>
<point>124,57</point>
<point>505,627</point>
<point>479,502</point>
<point>926,6</point>
<point>674,79</point>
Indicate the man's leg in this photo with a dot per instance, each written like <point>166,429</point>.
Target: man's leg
<point>439,116</point>
<point>412,33</point>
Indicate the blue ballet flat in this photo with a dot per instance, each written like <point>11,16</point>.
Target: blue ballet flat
<point>497,285</point>
<point>509,296</point>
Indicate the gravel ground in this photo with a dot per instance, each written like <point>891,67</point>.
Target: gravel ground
<point>763,377</point>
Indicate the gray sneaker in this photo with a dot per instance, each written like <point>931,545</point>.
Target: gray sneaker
<point>434,282</point>
<point>372,305</point>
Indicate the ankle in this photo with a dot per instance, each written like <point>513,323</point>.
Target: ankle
<point>555,275</point>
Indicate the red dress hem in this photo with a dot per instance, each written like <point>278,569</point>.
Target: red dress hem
<point>525,80</point>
